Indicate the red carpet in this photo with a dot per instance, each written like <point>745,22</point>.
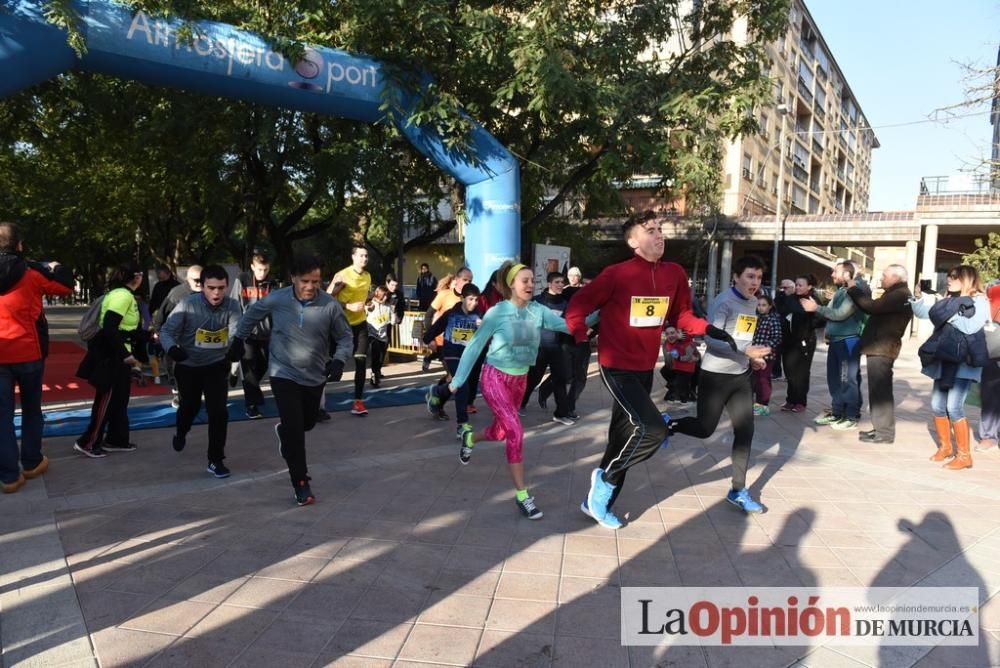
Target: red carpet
<point>61,384</point>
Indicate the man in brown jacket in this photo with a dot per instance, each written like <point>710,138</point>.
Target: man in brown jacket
<point>880,342</point>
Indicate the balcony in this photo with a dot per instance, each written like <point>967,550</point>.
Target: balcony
<point>800,174</point>
<point>819,112</point>
<point>840,173</point>
<point>817,145</point>
<point>814,186</point>
<point>804,91</point>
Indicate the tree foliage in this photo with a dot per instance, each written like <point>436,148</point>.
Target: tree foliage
<point>585,93</point>
<point>986,257</point>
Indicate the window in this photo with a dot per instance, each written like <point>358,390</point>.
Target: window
<point>820,99</point>
<point>763,126</point>
<point>823,62</point>
<point>747,167</point>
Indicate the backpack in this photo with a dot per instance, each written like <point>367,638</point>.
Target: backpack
<point>90,323</point>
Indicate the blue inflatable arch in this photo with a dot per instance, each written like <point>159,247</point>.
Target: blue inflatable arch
<point>229,62</point>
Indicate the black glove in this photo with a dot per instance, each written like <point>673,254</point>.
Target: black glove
<point>334,370</point>
<point>721,335</point>
<point>236,350</point>
<point>177,354</point>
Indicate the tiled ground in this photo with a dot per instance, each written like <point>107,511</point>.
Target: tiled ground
<point>410,559</point>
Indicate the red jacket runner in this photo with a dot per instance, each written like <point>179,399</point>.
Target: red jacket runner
<point>636,298</point>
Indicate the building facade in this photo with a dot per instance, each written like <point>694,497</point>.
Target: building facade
<point>814,145</point>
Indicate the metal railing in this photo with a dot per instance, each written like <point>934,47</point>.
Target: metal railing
<point>958,184</point>
<point>406,337</point>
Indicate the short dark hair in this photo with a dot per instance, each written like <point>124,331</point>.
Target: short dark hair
<point>358,247</point>
<point>766,297</point>
<point>163,267</point>
<point>424,264</point>
<point>216,271</point>
<point>849,268</point>
<point>747,262</point>
<point>391,277</point>
<point>808,278</point>
<point>635,220</point>
<point>553,275</point>
<point>260,254</point>
<point>10,237</point>
<point>470,290</point>
<point>305,264</point>
<point>123,274</point>
<point>461,269</point>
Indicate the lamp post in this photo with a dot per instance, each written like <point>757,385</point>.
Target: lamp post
<point>782,110</point>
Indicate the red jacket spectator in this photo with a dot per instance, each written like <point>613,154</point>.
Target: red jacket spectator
<point>22,286</point>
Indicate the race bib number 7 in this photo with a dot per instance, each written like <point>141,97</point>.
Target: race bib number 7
<point>746,326</point>
<point>648,311</point>
<point>211,340</point>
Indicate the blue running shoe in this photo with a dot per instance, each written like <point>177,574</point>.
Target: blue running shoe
<point>433,402</point>
<point>670,431</point>
<point>599,495</point>
<point>741,499</point>
<point>610,521</point>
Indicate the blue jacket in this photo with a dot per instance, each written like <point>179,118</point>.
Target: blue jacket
<point>959,327</point>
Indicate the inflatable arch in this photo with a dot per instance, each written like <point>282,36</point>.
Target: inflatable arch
<point>222,60</point>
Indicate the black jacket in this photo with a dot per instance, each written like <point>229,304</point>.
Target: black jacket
<point>803,325</point>
<point>888,317</point>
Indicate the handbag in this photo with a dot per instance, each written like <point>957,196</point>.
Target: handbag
<point>992,333</point>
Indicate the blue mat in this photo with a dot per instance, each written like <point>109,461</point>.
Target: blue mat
<point>157,416</point>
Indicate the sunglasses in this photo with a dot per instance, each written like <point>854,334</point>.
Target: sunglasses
<point>196,281</point>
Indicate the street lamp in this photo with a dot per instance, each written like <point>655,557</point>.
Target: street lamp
<point>782,110</point>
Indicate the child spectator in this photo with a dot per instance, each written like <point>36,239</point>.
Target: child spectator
<point>679,355</point>
<point>768,333</point>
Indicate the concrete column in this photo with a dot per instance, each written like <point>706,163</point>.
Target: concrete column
<point>713,269</point>
<point>911,262</point>
<point>927,271</point>
<point>911,274</point>
<point>726,271</point>
<point>929,265</point>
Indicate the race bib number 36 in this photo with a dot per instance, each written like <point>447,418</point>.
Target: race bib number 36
<point>211,340</point>
<point>648,311</point>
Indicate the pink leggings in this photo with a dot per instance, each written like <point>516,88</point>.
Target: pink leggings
<point>503,393</point>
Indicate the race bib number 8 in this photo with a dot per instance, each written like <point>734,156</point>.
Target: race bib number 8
<point>648,311</point>
<point>211,340</point>
<point>746,325</point>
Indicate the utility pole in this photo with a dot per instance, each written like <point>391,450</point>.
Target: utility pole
<point>782,110</point>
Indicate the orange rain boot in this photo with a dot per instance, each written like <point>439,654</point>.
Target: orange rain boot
<point>963,456</point>
<point>943,428</point>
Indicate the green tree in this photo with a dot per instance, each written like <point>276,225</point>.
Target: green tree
<point>986,257</point>
<point>586,94</point>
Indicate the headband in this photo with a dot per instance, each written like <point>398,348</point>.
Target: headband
<point>512,272</point>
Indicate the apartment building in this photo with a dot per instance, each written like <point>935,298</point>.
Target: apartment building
<point>814,144</point>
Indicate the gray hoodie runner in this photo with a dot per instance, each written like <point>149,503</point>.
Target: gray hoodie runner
<point>301,333</point>
<point>204,332</point>
<point>730,311</point>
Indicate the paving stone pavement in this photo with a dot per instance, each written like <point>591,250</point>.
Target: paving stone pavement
<point>410,559</point>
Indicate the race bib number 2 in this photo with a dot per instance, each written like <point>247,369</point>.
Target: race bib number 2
<point>461,335</point>
<point>648,311</point>
<point>211,340</point>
